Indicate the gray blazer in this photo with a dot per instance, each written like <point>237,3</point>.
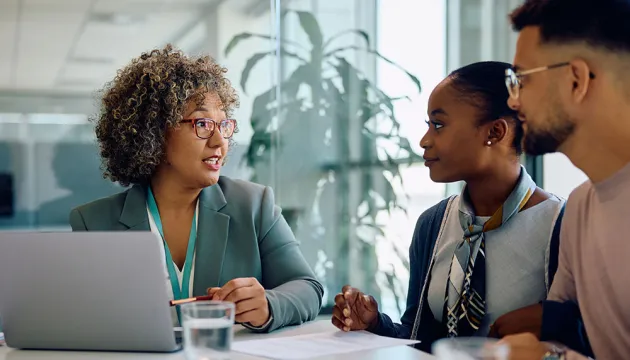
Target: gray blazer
<point>241,233</point>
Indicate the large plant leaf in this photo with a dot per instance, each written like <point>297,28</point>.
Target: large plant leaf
<point>350,77</point>
<point>377,54</point>
<point>371,110</point>
<point>264,140</point>
<point>310,75</point>
<point>252,61</point>
<point>266,105</point>
<point>376,108</point>
<point>359,87</point>
<point>247,35</point>
<point>338,107</point>
<point>377,228</point>
<point>309,24</point>
<point>354,83</point>
<point>394,284</point>
<point>388,102</point>
<point>388,193</point>
<point>404,144</point>
<point>384,99</point>
<point>261,115</point>
<point>259,145</point>
<point>359,32</point>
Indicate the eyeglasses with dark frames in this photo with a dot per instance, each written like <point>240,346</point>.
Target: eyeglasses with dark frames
<point>205,127</point>
<point>513,78</point>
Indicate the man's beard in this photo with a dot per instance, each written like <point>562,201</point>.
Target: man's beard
<point>545,141</point>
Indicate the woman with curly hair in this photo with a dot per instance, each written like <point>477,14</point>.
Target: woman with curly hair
<point>165,128</point>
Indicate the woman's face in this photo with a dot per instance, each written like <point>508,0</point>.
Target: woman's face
<point>197,162</point>
<point>455,146</point>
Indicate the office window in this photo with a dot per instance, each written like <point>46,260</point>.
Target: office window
<point>561,177</point>
<point>399,24</point>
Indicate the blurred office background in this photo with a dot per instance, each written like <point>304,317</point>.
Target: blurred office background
<point>331,111</point>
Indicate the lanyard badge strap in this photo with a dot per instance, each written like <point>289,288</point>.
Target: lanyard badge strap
<point>183,291</point>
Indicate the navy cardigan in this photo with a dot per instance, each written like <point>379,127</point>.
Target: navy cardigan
<point>561,320</point>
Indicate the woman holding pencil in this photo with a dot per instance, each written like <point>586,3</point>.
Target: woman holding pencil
<point>165,128</point>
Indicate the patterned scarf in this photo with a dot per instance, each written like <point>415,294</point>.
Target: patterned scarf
<point>465,304</point>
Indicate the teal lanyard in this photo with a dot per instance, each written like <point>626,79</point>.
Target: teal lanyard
<point>183,291</point>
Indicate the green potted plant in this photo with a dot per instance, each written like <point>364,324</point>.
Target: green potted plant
<point>303,124</point>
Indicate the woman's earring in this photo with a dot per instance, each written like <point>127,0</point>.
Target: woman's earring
<point>489,143</point>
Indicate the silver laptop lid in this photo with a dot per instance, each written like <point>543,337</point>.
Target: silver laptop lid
<point>84,291</point>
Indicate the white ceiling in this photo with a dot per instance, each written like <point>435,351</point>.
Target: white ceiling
<point>77,45</point>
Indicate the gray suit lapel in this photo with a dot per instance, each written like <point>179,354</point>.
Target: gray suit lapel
<point>212,237</point>
<point>134,213</point>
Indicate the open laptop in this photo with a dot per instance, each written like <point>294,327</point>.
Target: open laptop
<point>84,291</point>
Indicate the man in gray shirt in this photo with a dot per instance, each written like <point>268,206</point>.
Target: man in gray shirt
<point>571,86</point>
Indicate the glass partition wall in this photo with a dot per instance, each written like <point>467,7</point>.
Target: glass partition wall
<point>337,133</point>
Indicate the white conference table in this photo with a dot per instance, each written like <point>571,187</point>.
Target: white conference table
<point>240,333</point>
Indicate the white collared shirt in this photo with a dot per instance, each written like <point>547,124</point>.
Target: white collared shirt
<point>179,272</point>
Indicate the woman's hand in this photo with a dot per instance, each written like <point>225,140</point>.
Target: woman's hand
<point>354,310</point>
<point>248,297</point>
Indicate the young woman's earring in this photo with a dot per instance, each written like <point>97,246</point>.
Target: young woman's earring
<point>489,143</point>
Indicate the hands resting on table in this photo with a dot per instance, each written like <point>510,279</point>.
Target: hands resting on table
<point>520,329</point>
<point>249,298</point>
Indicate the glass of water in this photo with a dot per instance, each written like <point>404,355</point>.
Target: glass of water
<point>207,329</point>
<point>470,348</point>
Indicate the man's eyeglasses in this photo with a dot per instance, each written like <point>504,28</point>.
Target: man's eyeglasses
<point>513,78</point>
<point>205,127</point>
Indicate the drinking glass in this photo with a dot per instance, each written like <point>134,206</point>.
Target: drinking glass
<point>470,348</point>
<point>207,329</point>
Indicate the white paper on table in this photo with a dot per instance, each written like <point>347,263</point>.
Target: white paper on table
<point>315,345</point>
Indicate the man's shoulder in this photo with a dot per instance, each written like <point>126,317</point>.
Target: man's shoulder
<point>579,195</point>
<point>582,190</point>
<point>576,206</point>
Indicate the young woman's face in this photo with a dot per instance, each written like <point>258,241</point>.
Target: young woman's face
<point>455,146</point>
